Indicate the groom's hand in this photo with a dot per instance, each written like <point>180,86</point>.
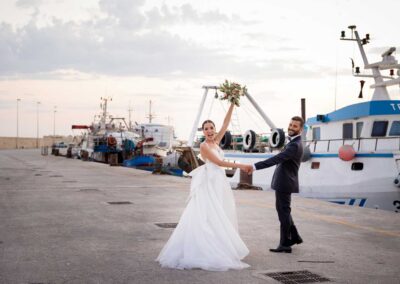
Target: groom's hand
<point>249,169</point>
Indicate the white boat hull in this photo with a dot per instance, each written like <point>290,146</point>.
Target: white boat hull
<point>335,181</point>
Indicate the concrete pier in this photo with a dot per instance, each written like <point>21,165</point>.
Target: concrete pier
<point>56,226</point>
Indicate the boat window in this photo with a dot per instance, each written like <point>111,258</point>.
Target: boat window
<point>359,126</point>
<point>357,166</point>
<point>315,165</point>
<point>379,128</point>
<point>347,130</point>
<point>316,133</point>
<point>395,128</point>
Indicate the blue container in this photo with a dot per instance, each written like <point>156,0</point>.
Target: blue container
<point>139,161</point>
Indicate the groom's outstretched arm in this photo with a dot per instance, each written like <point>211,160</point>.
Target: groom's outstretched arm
<point>288,153</point>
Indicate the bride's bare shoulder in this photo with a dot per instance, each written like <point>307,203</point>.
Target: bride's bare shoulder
<point>204,145</point>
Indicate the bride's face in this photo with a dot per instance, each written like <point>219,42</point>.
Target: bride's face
<point>209,131</point>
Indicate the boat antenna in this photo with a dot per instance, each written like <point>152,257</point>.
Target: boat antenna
<point>388,62</point>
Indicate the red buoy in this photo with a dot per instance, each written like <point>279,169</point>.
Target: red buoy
<point>347,153</point>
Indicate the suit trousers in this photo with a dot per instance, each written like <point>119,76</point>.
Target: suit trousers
<point>288,229</point>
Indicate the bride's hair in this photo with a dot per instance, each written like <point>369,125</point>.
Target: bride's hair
<point>207,121</point>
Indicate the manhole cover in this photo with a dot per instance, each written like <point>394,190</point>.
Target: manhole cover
<point>38,175</point>
<point>56,176</point>
<point>294,277</point>
<point>167,225</point>
<point>119,202</point>
<point>89,190</point>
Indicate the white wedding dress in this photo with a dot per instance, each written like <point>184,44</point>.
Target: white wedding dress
<point>207,233</point>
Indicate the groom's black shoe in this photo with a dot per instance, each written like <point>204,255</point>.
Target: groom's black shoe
<point>282,249</point>
<point>296,241</point>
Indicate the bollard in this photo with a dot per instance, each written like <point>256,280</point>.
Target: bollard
<point>113,159</point>
<point>246,178</point>
<point>84,155</point>
<point>44,150</point>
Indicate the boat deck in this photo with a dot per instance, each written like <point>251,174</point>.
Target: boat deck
<point>56,226</point>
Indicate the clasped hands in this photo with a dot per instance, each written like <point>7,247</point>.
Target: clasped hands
<point>248,169</point>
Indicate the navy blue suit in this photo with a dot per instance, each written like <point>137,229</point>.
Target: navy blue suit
<point>285,182</point>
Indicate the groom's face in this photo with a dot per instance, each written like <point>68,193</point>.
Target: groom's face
<point>294,128</point>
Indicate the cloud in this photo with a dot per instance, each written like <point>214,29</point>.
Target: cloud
<point>28,3</point>
<point>126,12</point>
<point>127,42</point>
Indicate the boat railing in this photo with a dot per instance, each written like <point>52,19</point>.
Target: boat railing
<point>359,144</point>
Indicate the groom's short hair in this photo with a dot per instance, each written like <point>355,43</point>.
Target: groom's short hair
<point>300,119</point>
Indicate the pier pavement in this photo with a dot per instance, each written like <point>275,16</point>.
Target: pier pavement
<point>56,226</point>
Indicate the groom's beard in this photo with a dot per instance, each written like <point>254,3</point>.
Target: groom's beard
<point>293,133</point>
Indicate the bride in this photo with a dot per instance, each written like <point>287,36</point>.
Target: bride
<point>207,234</point>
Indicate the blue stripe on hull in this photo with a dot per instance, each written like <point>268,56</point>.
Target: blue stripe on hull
<point>358,155</point>
<point>316,155</point>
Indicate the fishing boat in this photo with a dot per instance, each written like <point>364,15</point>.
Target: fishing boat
<point>351,155</point>
<point>105,136</point>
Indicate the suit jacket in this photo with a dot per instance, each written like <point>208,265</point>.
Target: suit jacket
<point>285,178</point>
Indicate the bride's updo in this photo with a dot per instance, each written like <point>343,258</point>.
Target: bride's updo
<point>207,121</point>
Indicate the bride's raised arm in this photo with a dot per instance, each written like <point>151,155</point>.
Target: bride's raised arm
<point>225,125</point>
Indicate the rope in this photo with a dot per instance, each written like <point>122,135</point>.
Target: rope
<point>245,108</point>
<point>211,106</point>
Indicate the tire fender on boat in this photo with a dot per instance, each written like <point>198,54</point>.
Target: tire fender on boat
<point>277,138</point>
<point>249,140</point>
<point>226,141</point>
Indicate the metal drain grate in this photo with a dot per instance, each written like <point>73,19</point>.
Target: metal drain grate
<point>89,190</point>
<point>316,261</point>
<point>294,277</point>
<point>119,202</point>
<point>167,225</point>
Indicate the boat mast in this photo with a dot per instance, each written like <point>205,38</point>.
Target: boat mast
<point>103,106</point>
<point>388,62</point>
<point>150,116</point>
<point>130,116</point>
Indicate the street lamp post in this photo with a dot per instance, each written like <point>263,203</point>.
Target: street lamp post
<point>16,144</point>
<point>37,124</point>
<point>54,123</point>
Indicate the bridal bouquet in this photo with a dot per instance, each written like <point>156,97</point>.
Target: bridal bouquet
<point>232,92</point>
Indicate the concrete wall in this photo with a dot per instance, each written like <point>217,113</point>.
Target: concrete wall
<point>29,143</point>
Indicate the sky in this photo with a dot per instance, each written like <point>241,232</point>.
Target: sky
<point>67,54</point>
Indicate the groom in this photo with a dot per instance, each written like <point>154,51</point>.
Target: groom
<point>285,182</point>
